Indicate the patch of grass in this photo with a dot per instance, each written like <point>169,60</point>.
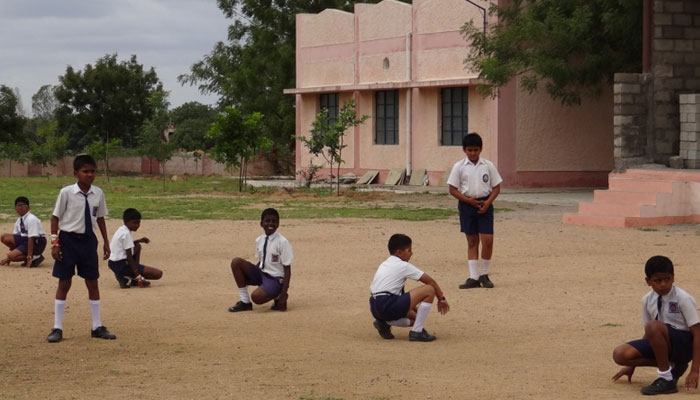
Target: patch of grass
<point>198,198</point>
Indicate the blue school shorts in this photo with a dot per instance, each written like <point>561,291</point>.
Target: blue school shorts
<point>271,285</point>
<point>390,307</point>
<point>22,243</point>
<point>78,250</point>
<point>681,350</point>
<point>471,222</point>
<point>121,268</point>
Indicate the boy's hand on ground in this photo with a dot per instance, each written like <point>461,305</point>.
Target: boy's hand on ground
<point>691,381</point>
<point>56,253</point>
<point>281,302</point>
<point>443,306</point>
<point>627,371</point>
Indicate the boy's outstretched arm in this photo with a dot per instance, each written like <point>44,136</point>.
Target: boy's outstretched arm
<point>283,296</point>
<point>442,304</point>
<point>691,381</point>
<point>105,240</point>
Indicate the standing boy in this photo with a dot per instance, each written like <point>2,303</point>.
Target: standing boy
<point>475,182</point>
<point>671,333</point>
<point>272,272</point>
<point>125,254</point>
<point>28,239</point>
<point>78,208</point>
<point>390,306</point>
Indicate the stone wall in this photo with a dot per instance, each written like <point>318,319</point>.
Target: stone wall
<point>630,121</point>
<point>690,130</point>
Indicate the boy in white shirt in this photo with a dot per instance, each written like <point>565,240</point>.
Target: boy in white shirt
<point>28,239</point>
<point>390,306</point>
<point>476,183</point>
<point>125,257</point>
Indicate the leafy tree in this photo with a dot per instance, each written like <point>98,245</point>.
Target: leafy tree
<point>12,141</point>
<point>105,102</point>
<point>44,102</point>
<point>571,47</point>
<point>152,142</point>
<point>47,146</point>
<point>237,138</point>
<point>327,138</point>
<point>252,69</point>
<point>100,150</point>
<point>192,120</point>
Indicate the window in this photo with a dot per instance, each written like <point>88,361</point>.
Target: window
<point>386,117</point>
<point>454,115</point>
<point>329,101</point>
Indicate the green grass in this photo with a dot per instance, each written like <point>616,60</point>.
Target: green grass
<point>197,198</point>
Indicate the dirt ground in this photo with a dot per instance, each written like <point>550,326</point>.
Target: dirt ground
<point>565,296</point>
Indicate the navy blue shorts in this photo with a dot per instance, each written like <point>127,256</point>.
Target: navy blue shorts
<point>22,243</point>
<point>681,350</point>
<point>271,285</point>
<point>79,251</point>
<point>390,307</point>
<point>122,268</point>
<point>471,222</point>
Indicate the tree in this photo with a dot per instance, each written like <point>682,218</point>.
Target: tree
<point>44,102</point>
<point>192,120</point>
<point>571,47</point>
<point>106,101</point>
<point>152,142</point>
<point>12,141</point>
<point>237,138</point>
<point>257,63</point>
<point>47,146</point>
<point>327,138</point>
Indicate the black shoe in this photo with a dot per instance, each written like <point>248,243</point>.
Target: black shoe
<point>660,386</point>
<point>678,370</point>
<point>35,262</point>
<point>55,336</point>
<point>102,333</point>
<point>241,306</point>
<point>383,328</point>
<point>485,281</point>
<point>144,283</point>
<point>470,284</point>
<point>123,281</point>
<point>423,336</point>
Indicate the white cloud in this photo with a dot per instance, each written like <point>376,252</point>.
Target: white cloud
<point>40,38</point>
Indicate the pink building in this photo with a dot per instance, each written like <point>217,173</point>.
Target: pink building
<point>403,65</point>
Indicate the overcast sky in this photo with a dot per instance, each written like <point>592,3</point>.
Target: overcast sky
<point>40,38</point>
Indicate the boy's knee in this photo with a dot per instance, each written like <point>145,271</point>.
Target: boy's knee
<point>236,262</point>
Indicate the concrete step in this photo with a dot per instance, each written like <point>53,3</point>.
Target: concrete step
<point>639,185</point>
<point>620,197</point>
<point>614,209</point>
<point>594,220</point>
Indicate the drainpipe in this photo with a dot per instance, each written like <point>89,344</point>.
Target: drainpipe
<point>408,105</point>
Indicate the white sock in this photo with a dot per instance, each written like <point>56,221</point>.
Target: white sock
<point>243,292</point>
<point>474,269</point>
<point>401,322</point>
<point>485,266</point>
<point>95,311</point>
<point>665,374</point>
<point>59,307</point>
<point>421,316</point>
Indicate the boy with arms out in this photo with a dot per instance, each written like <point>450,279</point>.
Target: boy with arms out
<point>28,239</point>
<point>390,306</point>
<point>671,333</point>
<point>476,183</point>
<point>273,271</point>
<point>78,208</point>
<point>125,254</point>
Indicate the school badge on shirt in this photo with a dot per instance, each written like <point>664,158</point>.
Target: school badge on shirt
<point>673,307</point>
<point>485,178</point>
<point>275,258</point>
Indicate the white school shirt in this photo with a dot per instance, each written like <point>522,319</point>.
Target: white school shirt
<point>392,274</point>
<point>32,225</point>
<point>474,180</point>
<point>677,309</point>
<point>70,208</point>
<point>279,253</point>
<point>120,243</point>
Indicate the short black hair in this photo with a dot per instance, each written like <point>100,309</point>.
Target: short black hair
<point>22,199</point>
<point>83,159</point>
<point>658,264</point>
<point>472,139</point>
<point>131,214</point>
<point>269,211</point>
<point>398,241</point>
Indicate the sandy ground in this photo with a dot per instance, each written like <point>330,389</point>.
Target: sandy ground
<point>565,296</point>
